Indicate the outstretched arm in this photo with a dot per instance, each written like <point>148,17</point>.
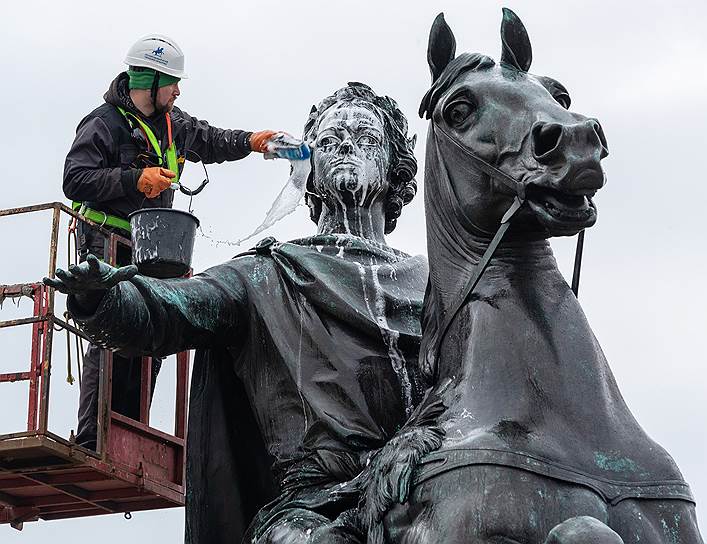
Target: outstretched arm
<point>139,315</point>
<point>211,144</point>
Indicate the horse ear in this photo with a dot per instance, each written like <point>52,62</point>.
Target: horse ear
<point>516,50</point>
<point>441,47</point>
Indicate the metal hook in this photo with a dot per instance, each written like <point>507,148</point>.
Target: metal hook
<point>192,192</point>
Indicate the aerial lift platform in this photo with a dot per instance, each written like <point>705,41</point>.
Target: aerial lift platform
<point>45,476</point>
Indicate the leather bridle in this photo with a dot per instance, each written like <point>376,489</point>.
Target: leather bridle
<point>519,199</point>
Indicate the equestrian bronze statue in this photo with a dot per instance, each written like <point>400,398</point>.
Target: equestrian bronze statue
<point>321,411</point>
<point>539,445</point>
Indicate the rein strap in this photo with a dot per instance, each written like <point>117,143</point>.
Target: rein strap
<point>514,185</point>
<point>519,189</point>
<point>478,272</point>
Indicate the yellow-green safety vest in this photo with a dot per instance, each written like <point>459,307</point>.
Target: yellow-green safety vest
<point>170,154</point>
<point>172,164</point>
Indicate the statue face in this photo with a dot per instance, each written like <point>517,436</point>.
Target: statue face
<point>351,157</point>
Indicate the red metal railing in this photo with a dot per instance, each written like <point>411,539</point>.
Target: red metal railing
<point>40,332</point>
<point>42,475</point>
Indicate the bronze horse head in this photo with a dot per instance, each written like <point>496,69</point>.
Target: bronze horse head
<point>521,124</point>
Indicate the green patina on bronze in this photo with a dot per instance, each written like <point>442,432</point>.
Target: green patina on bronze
<point>614,463</point>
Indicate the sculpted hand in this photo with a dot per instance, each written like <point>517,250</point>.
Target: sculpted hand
<point>90,278</point>
<point>259,140</point>
<point>154,180</point>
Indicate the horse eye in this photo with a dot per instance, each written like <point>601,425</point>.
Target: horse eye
<point>458,111</point>
<point>563,99</point>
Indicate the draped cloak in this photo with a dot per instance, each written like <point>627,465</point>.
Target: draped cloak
<point>306,359</point>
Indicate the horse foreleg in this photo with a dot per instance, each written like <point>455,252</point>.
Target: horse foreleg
<point>484,504</point>
<point>655,521</point>
<point>582,530</point>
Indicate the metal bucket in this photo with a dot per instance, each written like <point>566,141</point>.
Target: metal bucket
<point>163,241</point>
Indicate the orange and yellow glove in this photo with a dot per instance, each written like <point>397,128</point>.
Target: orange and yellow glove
<point>154,180</point>
<point>259,140</point>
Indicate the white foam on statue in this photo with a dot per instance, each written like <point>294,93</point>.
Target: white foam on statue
<point>303,302</point>
<point>288,199</point>
<point>345,216</point>
<point>390,336</point>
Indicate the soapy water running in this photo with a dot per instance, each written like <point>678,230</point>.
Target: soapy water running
<point>282,146</point>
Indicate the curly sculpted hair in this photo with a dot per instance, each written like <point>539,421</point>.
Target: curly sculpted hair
<point>403,165</point>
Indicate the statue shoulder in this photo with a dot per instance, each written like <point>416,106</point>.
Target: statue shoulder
<point>249,258</point>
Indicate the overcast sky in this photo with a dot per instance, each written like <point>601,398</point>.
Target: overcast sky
<point>638,66</point>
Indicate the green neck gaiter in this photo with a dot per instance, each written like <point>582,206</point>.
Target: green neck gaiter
<point>144,78</point>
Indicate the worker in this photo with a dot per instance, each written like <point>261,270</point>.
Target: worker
<point>127,154</point>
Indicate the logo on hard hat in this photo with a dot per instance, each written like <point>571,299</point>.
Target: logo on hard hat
<point>156,56</point>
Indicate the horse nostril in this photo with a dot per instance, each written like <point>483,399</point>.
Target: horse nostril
<point>600,135</point>
<point>546,138</point>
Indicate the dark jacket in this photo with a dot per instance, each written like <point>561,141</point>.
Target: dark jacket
<point>102,167</point>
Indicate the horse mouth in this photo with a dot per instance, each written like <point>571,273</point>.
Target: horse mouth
<point>560,212</point>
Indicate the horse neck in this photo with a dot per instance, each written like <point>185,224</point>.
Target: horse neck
<point>455,247</point>
<point>454,244</point>
<point>452,264</point>
<point>521,320</point>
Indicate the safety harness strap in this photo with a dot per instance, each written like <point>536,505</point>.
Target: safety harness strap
<point>171,154</point>
<point>102,218</point>
<point>172,163</point>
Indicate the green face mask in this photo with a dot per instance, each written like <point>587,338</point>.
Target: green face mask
<point>144,78</point>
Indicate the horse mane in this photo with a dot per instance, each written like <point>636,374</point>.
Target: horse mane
<point>463,63</point>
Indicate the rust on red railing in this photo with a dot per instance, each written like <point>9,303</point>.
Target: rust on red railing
<point>44,476</point>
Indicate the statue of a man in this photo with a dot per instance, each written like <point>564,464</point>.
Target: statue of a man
<point>306,350</point>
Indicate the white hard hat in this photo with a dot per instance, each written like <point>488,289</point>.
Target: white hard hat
<point>158,52</point>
